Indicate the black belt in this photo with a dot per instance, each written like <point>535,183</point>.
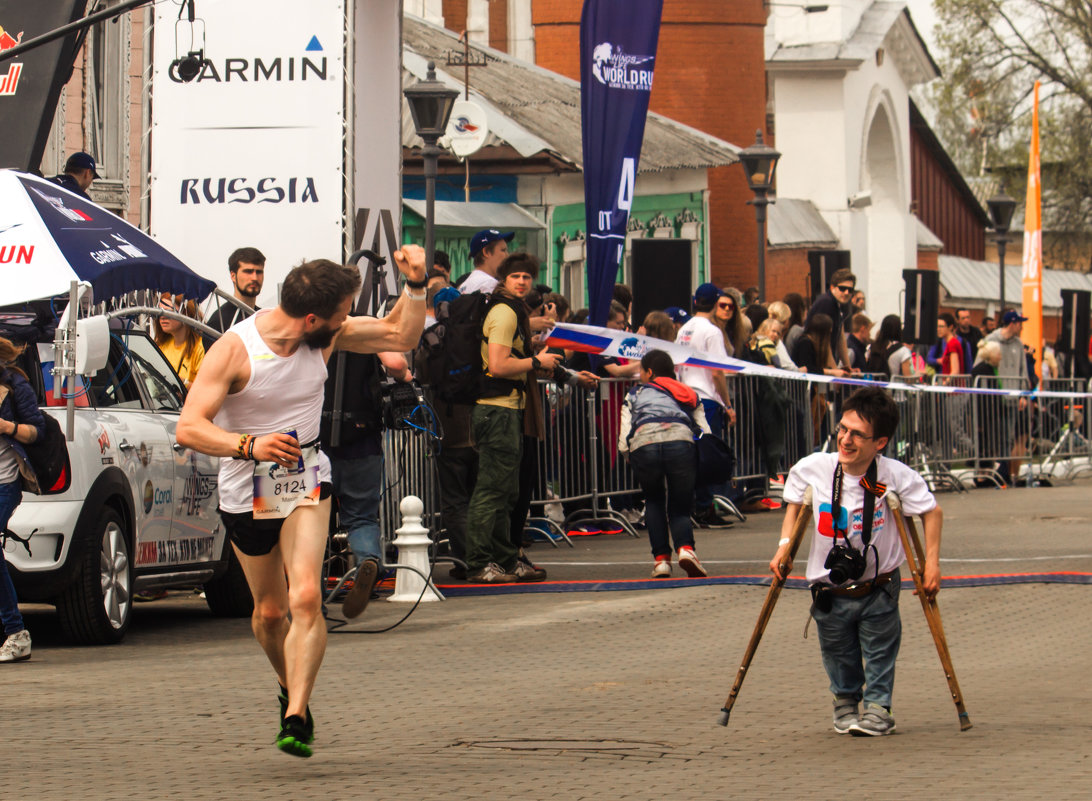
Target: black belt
<point>864,588</point>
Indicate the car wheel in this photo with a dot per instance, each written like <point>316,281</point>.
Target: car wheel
<point>97,606</point>
<point>228,595</point>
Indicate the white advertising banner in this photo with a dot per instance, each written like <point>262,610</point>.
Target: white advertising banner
<point>250,153</point>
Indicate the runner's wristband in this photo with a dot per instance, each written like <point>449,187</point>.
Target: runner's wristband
<point>250,449</point>
<point>414,295</point>
<point>783,542</point>
<point>417,284</point>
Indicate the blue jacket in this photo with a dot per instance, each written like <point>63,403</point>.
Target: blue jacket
<point>20,406</point>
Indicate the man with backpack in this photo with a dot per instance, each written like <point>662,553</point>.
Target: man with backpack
<point>507,408</point>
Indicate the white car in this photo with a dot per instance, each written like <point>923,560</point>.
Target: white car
<point>141,512</point>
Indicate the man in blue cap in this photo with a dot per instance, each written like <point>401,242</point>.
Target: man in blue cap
<point>679,316</point>
<point>705,337</point>
<point>79,173</point>
<point>488,249</point>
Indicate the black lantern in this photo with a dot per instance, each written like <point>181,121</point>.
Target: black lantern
<point>1001,208</point>
<point>759,162</point>
<point>430,104</point>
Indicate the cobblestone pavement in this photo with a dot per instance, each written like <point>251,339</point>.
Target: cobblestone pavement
<point>588,695</point>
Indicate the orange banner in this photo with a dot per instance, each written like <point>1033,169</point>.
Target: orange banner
<point>1033,246</point>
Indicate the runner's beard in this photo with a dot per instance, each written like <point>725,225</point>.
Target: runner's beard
<point>251,290</point>
<point>320,338</point>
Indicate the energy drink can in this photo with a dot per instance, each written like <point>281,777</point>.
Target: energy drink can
<point>292,433</point>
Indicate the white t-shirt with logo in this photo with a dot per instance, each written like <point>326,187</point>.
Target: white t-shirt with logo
<point>817,471</point>
<point>478,281</point>
<point>704,337</point>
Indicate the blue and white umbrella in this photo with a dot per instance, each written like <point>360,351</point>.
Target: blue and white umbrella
<point>50,237</point>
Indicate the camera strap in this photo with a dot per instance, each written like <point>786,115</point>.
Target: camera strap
<point>873,490</point>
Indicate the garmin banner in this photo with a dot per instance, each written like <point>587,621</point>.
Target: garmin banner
<point>617,56</point>
<point>31,84</point>
<point>252,151</point>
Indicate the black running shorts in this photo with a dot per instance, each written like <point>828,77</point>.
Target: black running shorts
<point>259,537</point>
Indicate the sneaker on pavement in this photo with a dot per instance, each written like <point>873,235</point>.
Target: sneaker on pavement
<point>491,574</point>
<point>16,647</point>
<point>708,518</point>
<point>688,561</point>
<point>356,600</point>
<point>875,722</point>
<point>294,737</point>
<point>846,713</point>
<point>662,568</point>
<point>524,571</point>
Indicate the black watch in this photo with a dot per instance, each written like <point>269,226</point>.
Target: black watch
<point>535,363</point>
<point>417,284</point>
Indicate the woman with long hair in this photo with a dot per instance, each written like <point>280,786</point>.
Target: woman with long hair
<point>21,423</point>
<point>729,319</point>
<point>813,348</point>
<point>780,311</point>
<point>179,342</point>
<point>888,354</point>
<point>794,325</point>
<point>657,324</point>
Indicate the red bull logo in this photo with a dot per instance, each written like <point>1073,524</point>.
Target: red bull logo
<point>10,81</point>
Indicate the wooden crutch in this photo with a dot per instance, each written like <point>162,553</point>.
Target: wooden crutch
<point>915,560</point>
<point>799,528</point>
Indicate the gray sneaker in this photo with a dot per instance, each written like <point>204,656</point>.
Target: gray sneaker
<point>845,713</point>
<point>875,722</point>
<point>525,571</point>
<point>16,647</point>
<point>491,574</point>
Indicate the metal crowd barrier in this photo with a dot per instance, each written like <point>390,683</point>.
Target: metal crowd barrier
<point>955,440</point>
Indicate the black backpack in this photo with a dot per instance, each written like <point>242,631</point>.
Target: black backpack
<point>451,351</point>
<point>48,456</point>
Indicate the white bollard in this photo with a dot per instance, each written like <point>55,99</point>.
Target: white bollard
<point>413,543</point>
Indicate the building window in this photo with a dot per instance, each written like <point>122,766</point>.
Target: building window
<point>107,86</point>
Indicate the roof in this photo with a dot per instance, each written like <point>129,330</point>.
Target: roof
<point>533,112</point>
<point>797,223</point>
<point>878,21</point>
<point>477,215</point>
<point>927,240</point>
<point>971,280</point>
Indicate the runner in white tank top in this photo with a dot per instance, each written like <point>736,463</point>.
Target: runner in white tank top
<point>265,376</point>
<point>284,393</point>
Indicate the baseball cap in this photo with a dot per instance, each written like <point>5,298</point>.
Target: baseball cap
<point>81,161</point>
<point>707,293</point>
<point>487,237</point>
<point>1012,316</point>
<point>677,314</point>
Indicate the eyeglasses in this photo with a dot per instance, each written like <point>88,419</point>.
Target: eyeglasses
<point>851,434</point>
<point>845,288</point>
<point>726,305</point>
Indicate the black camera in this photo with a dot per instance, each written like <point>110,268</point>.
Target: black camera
<point>844,563</point>
<point>402,405</point>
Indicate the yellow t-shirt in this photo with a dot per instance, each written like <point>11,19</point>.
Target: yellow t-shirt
<point>186,367</point>
<point>501,327</point>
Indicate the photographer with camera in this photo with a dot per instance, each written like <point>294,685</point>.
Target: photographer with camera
<point>853,564</point>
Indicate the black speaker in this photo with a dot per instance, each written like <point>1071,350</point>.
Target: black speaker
<point>919,319</point>
<point>1075,324</point>
<point>822,264</point>
<point>660,271</point>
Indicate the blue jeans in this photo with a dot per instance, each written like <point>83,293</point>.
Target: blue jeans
<point>666,472</point>
<point>703,493</point>
<point>864,629</point>
<point>357,484</point>
<point>10,495</point>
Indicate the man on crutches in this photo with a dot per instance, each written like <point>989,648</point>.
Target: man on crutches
<point>853,564</point>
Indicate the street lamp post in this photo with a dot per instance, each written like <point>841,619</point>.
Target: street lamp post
<point>430,104</point>
<point>759,161</point>
<point>1001,207</point>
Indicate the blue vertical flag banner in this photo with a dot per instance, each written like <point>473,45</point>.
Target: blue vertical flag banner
<point>617,57</point>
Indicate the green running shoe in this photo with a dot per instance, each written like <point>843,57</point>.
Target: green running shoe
<point>294,738</point>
